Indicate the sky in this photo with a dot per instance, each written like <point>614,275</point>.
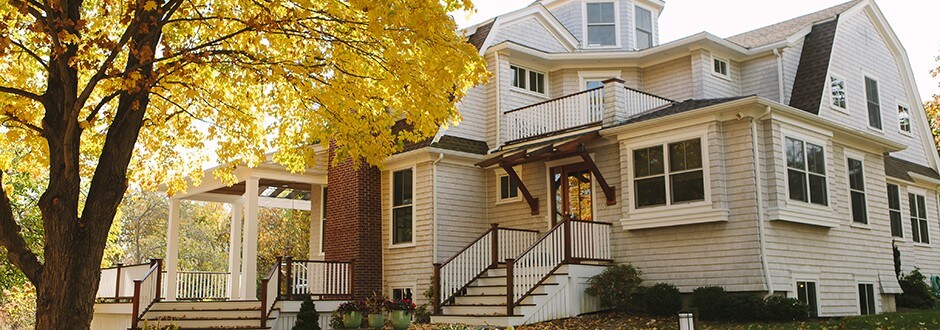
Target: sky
<point>914,22</point>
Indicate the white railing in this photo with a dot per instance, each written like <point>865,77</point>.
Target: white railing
<point>638,102</point>
<point>528,269</point>
<point>320,278</point>
<point>201,285</point>
<point>566,112</point>
<point>270,290</point>
<point>494,246</point>
<point>146,291</point>
<point>118,281</point>
<point>590,240</point>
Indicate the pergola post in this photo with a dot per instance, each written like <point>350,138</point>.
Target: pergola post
<point>172,248</point>
<point>235,252</point>
<point>250,244</point>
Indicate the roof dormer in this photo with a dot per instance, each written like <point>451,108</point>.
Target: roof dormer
<point>610,24</point>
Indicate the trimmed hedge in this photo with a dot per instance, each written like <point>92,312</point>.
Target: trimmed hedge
<point>780,308</point>
<point>715,304</point>
<point>616,286</point>
<point>711,302</point>
<point>662,299</point>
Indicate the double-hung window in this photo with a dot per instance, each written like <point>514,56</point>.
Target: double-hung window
<point>857,191</point>
<point>662,181</point>
<point>866,298</point>
<point>508,191</point>
<point>837,92</point>
<point>894,210</point>
<point>874,103</point>
<point>919,230</point>
<point>806,292</point>
<point>644,28</point>
<point>806,172</point>
<point>904,119</point>
<point>720,67</point>
<point>528,79</point>
<point>601,24</point>
<point>402,206</point>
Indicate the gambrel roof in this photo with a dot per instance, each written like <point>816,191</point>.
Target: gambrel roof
<point>783,30</point>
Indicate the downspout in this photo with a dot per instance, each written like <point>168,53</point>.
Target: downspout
<point>434,207</point>
<point>762,240</point>
<point>780,89</point>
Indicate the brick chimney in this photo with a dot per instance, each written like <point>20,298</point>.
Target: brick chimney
<point>354,222</point>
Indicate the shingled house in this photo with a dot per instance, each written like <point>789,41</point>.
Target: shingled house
<point>788,160</point>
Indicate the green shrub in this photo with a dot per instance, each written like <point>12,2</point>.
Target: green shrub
<point>662,299</point>
<point>745,307</point>
<point>307,317</point>
<point>917,293</point>
<point>711,302</point>
<point>615,286</point>
<point>780,308</point>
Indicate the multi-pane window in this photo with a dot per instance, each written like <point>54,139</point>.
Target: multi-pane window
<point>806,292</point>
<point>894,210</point>
<point>644,28</point>
<point>402,206</point>
<point>837,91</point>
<point>806,172</point>
<point>866,298</point>
<point>401,293</point>
<point>874,104</point>
<point>857,191</point>
<point>507,188</point>
<point>904,118</point>
<point>684,175</point>
<point>528,79</point>
<point>323,221</point>
<point>720,66</point>
<point>601,24</point>
<point>919,230</point>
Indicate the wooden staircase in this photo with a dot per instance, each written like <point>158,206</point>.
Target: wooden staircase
<point>186,315</point>
<point>529,281</point>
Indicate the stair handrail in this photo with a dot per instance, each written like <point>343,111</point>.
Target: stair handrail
<point>147,291</point>
<point>267,291</point>
<point>473,260</point>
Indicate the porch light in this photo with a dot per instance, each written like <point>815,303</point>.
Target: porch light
<point>686,321</point>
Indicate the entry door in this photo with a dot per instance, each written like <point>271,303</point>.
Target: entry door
<point>572,193</point>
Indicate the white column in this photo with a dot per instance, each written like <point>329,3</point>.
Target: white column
<point>172,248</point>
<point>235,252</point>
<point>250,244</point>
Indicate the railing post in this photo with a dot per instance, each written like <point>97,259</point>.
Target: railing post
<point>436,288</point>
<point>494,231</point>
<point>117,281</point>
<point>289,278</point>
<point>566,226</point>
<point>280,279</point>
<point>135,305</point>
<point>510,297</point>
<point>159,274</point>
<point>264,299</point>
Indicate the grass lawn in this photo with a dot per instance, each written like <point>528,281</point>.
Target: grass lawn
<point>904,320</point>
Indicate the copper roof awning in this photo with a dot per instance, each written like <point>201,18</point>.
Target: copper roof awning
<point>574,146</point>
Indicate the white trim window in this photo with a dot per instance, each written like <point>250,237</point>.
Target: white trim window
<point>806,172</point>
<point>894,210</point>
<point>601,24</point>
<point>323,221</point>
<point>874,102</point>
<point>680,169</point>
<point>402,206</point>
<point>866,298</point>
<point>919,229</point>
<point>644,27</point>
<point>837,92</point>
<point>402,293</point>
<point>857,191</point>
<point>806,292</point>
<point>528,79</point>
<point>904,119</point>
<point>720,67</point>
<point>507,190</point>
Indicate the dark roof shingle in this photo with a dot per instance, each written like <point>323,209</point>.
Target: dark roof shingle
<point>780,31</point>
<point>900,169</point>
<point>479,36</point>
<point>678,107</point>
<point>810,80</point>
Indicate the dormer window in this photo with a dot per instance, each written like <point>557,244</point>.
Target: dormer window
<point>528,79</point>
<point>644,28</point>
<point>601,24</point>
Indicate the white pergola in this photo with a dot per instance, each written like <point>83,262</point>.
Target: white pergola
<point>267,185</point>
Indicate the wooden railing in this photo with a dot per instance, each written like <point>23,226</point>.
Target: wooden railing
<point>495,245</point>
<point>201,285</point>
<point>638,101</point>
<point>146,291</point>
<point>571,241</point>
<point>565,112</point>
<point>324,279</point>
<point>118,281</point>
<point>270,290</point>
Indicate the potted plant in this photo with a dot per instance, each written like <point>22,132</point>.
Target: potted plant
<point>352,313</point>
<point>400,311</point>
<point>374,307</point>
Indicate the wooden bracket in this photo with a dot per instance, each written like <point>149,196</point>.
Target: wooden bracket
<point>609,191</point>
<point>533,201</point>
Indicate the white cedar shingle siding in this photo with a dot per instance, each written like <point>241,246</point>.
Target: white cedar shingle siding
<point>759,77</point>
<point>409,266</point>
<point>791,62</point>
<point>461,190</point>
<point>569,15</point>
<point>859,50</point>
<point>473,111</point>
<point>531,33</point>
<point>714,86</point>
<point>672,80</point>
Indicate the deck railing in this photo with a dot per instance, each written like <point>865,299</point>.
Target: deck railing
<point>324,279</point>
<point>118,281</point>
<point>270,290</point>
<point>201,285</point>
<point>487,251</point>
<point>573,111</point>
<point>146,291</point>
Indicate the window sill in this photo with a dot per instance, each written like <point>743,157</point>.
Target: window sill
<point>922,245</point>
<point>876,130</point>
<point>602,47</point>
<point>839,109</point>
<point>905,133</point>
<point>860,225</point>
<point>722,76</point>
<point>508,201</point>
<point>678,215</point>
<point>528,92</point>
<point>401,246</point>
<point>804,214</point>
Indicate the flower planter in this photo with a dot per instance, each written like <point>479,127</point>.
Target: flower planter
<point>401,319</point>
<point>377,321</point>
<point>352,320</point>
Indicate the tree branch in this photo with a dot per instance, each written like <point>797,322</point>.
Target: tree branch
<point>17,251</point>
<point>31,53</point>
<point>105,100</point>
<point>20,92</point>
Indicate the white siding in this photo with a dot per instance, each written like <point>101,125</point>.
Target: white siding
<point>759,77</point>
<point>531,33</point>
<point>473,112</point>
<point>791,62</point>
<point>672,80</point>
<point>408,266</point>
<point>461,191</point>
<point>714,85</point>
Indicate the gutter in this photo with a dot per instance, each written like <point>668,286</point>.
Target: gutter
<point>762,237</point>
<point>780,89</point>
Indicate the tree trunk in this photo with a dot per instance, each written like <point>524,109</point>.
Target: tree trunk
<point>66,298</point>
